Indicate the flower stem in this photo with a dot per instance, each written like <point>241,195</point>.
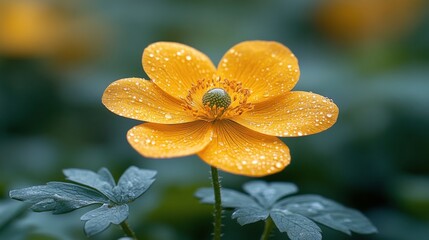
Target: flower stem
<point>127,230</point>
<point>267,229</point>
<point>218,204</point>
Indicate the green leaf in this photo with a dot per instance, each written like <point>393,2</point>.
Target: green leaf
<point>58,197</point>
<point>230,198</point>
<point>132,184</point>
<point>269,193</point>
<point>99,219</point>
<point>101,181</point>
<point>250,215</point>
<point>294,214</point>
<point>94,188</point>
<point>328,213</point>
<point>9,211</point>
<point>297,227</point>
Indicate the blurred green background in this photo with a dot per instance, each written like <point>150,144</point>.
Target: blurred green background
<point>370,56</point>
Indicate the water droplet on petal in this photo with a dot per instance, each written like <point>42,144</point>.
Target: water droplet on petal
<point>168,116</point>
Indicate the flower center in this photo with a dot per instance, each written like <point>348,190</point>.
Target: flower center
<point>217,97</point>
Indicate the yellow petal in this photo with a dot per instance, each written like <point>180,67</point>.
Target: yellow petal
<point>165,141</point>
<point>239,150</point>
<point>141,99</point>
<point>295,114</point>
<point>174,67</point>
<point>268,69</point>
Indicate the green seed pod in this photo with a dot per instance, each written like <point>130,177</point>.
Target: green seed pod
<point>218,97</point>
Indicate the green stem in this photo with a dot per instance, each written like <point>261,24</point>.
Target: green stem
<point>218,204</point>
<point>267,229</point>
<point>127,230</point>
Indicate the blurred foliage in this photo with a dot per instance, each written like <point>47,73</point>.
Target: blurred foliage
<point>371,57</point>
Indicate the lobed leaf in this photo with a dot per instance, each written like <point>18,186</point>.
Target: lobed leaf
<point>132,184</point>
<point>297,226</point>
<point>99,219</point>
<point>101,181</point>
<point>294,214</point>
<point>250,215</point>
<point>230,198</point>
<point>328,213</point>
<point>58,197</point>
<point>268,193</point>
<point>349,219</point>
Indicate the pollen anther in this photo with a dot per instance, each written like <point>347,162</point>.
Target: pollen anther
<point>217,98</point>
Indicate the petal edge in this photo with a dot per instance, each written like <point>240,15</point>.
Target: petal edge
<point>295,114</point>
<point>239,150</point>
<point>267,68</point>
<point>166,141</point>
<point>174,67</point>
<point>141,99</point>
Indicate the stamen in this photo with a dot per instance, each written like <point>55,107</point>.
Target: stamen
<point>217,98</point>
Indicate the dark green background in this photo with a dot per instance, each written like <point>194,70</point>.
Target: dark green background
<point>375,158</point>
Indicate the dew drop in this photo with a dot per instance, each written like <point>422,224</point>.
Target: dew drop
<point>189,58</point>
<point>168,116</point>
<point>329,115</point>
<point>299,133</point>
<point>279,165</point>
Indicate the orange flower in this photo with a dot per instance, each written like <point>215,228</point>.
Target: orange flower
<point>229,116</point>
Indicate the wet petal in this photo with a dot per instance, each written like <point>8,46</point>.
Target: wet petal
<point>141,99</point>
<point>166,141</point>
<point>239,150</point>
<point>295,114</point>
<point>174,67</point>
<point>268,69</point>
